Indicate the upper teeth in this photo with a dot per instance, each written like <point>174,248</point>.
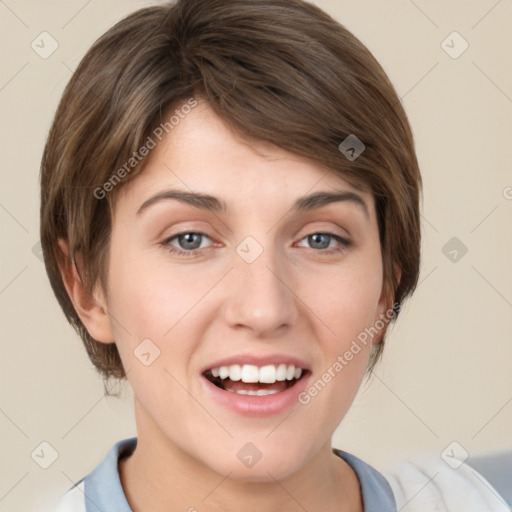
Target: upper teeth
<point>251,373</point>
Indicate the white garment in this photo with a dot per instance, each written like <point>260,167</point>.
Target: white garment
<point>72,501</point>
<point>428,484</point>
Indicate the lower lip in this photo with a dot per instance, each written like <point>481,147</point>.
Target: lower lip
<point>251,405</point>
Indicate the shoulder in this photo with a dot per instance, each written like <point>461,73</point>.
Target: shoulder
<point>425,482</point>
<point>72,500</point>
<point>101,489</point>
<point>376,491</point>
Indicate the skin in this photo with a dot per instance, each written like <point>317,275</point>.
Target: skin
<point>292,299</point>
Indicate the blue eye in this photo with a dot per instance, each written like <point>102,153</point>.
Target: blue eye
<point>322,241</point>
<point>190,242</point>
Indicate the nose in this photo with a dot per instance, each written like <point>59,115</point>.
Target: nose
<point>262,297</point>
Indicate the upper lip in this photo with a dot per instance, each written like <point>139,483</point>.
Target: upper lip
<point>258,360</point>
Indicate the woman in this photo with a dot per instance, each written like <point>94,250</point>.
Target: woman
<point>230,220</point>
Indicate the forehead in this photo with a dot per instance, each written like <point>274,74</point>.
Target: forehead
<point>202,154</point>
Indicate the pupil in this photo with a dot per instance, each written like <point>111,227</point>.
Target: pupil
<point>315,239</point>
<point>189,239</point>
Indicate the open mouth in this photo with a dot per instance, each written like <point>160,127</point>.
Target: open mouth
<point>253,380</point>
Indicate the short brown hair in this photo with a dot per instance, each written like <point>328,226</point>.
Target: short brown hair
<point>280,71</point>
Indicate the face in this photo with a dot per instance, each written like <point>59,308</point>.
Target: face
<point>254,284</point>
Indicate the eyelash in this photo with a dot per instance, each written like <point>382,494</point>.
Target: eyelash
<point>345,244</point>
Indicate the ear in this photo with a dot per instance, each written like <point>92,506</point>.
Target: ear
<point>91,310</point>
<point>385,304</point>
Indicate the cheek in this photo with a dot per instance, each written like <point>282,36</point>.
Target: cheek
<point>345,299</point>
<point>345,305</point>
<point>151,296</point>
<point>151,300</point>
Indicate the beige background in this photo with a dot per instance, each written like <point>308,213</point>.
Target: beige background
<point>446,374</point>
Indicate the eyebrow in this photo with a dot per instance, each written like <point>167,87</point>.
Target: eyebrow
<point>214,204</point>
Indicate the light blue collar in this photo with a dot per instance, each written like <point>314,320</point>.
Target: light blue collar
<point>104,492</point>
<point>377,493</point>
<point>102,486</point>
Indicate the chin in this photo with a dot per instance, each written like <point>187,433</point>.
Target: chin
<point>265,469</point>
<point>264,474</point>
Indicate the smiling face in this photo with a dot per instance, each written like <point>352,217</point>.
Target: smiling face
<point>259,276</point>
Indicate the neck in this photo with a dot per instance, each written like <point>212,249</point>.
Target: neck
<point>160,485</point>
<point>162,477</point>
